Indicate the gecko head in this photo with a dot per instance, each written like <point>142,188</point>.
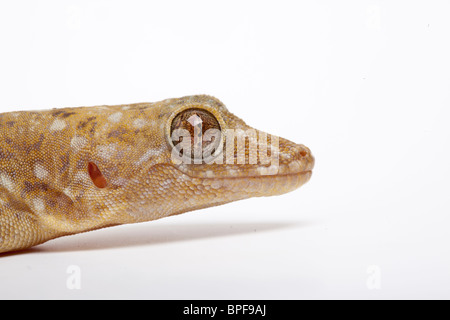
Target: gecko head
<point>215,157</point>
<point>190,153</point>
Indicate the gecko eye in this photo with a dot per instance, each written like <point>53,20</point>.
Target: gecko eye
<point>195,133</point>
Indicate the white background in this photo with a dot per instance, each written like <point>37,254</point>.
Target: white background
<point>364,84</point>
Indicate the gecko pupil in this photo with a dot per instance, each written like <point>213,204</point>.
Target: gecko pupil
<point>200,127</point>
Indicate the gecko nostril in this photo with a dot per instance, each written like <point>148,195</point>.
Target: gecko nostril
<point>303,153</point>
<point>96,175</point>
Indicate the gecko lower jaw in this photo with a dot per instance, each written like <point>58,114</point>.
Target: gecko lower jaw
<point>262,185</point>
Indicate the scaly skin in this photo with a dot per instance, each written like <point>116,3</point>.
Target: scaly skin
<point>49,188</point>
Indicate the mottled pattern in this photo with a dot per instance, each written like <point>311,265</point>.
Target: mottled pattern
<point>48,159</point>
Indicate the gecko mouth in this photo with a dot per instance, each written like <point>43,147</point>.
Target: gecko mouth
<point>253,181</point>
<point>264,185</point>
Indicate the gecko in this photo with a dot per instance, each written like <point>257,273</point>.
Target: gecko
<point>64,171</point>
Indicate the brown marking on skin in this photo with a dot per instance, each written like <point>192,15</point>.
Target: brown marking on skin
<point>58,112</point>
<point>36,186</point>
<point>50,202</point>
<point>84,123</point>
<point>42,186</point>
<point>37,145</point>
<point>18,206</point>
<point>62,201</point>
<point>67,114</point>
<point>27,148</point>
<point>92,130</point>
<point>6,154</point>
<point>28,186</point>
<point>62,113</point>
<point>10,124</point>
<point>65,162</point>
<point>59,203</point>
<point>117,133</point>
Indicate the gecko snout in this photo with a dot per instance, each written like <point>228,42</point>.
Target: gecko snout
<point>294,158</point>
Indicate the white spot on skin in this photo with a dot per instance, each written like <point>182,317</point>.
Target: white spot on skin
<point>217,184</point>
<point>68,192</point>
<point>82,177</point>
<point>3,198</point>
<point>106,151</point>
<point>145,156</point>
<point>58,125</point>
<point>273,170</point>
<point>268,171</point>
<point>148,154</point>
<point>39,171</point>
<point>78,142</point>
<point>139,123</point>
<point>39,205</point>
<point>261,170</point>
<point>119,181</point>
<point>115,117</point>
<point>7,182</point>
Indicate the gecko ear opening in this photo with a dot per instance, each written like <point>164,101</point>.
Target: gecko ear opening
<point>96,175</point>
